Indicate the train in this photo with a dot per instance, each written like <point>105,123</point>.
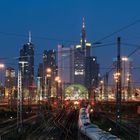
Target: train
<point>89,131</point>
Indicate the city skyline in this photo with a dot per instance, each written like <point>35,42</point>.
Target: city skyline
<point>54,26</point>
<point>69,69</point>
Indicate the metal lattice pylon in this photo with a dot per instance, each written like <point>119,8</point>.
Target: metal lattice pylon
<point>19,101</point>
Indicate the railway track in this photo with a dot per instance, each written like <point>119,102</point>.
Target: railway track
<point>60,126</point>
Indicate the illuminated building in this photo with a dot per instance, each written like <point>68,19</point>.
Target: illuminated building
<point>91,72</point>
<point>27,70</point>
<point>76,65</point>
<point>79,66</point>
<point>9,81</point>
<point>49,61</point>
<point>65,60</point>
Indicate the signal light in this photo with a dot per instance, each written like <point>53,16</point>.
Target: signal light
<point>92,103</point>
<point>66,103</point>
<point>55,103</point>
<point>76,103</point>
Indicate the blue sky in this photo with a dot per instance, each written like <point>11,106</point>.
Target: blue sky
<point>62,20</point>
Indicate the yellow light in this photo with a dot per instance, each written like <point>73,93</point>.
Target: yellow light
<point>101,81</point>
<point>127,79</point>
<point>49,70</point>
<point>48,75</point>
<point>91,110</point>
<point>88,44</point>
<point>124,59</point>
<point>57,78</point>
<point>78,46</point>
<point>2,66</point>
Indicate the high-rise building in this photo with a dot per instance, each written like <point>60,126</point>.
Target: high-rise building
<point>65,67</point>
<point>10,81</point>
<point>79,66</point>
<point>76,65</point>
<point>26,64</point>
<point>79,58</point>
<point>86,69</point>
<point>91,72</point>
<point>49,61</point>
<point>49,72</point>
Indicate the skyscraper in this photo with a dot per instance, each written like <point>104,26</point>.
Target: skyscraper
<point>65,67</point>
<point>26,64</point>
<point>79,58</point>
<point>91,71</point>
<point>86,68</point>
<point>79,65</point>
<point>49,61</point>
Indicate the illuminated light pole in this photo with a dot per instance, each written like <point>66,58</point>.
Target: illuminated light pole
<point>2,66</point>
<point>124,60</point>
<point>118,86</point>
<point>128,86</point>
<point>106,86</point>
<point>56,80</point>
<point>101,89</point>
<point>58,86</point>
<point>49,71</point>
<point>60,89</point>
<point>38,91</point>
<point>20,97</point>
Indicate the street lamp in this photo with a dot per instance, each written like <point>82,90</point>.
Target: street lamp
<point>39,90</point>
<point>20,96</point>
<point>58,82</point>
<point>101,90</point>
<point>48,75</point>
<point>124,60</point>
<point>2,66</point>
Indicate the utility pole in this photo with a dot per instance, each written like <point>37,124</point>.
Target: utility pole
<point>19,103</point>
<point>106,86</point>
<point>129,79</point>
<point>118,86</point>
<point>38,92</point>
<point>20,97</point>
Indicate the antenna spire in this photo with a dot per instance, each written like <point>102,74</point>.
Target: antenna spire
<point>83,22</point>
<point>30,37</point>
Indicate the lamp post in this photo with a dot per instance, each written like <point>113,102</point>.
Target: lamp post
<point>20,96</point>
<point>2,66</point>
<point>38,92</point>
<point>58,86</point>
<point>49,71</point>
<point>56,80</point>
<point>124,60</point>
<point>101,89</point>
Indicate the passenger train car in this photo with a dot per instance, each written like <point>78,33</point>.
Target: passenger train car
<point>89,131</point>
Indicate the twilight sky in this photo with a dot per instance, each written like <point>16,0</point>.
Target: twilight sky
<point>52,21</point>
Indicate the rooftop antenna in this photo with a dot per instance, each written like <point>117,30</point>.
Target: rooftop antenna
<point>30,36</point>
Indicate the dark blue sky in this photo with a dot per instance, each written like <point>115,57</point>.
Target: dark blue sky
<point>62,19</point>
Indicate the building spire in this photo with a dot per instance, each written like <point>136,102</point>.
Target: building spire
<point>83,26</point>
<point>83,34</point>
<point>30,37</point>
